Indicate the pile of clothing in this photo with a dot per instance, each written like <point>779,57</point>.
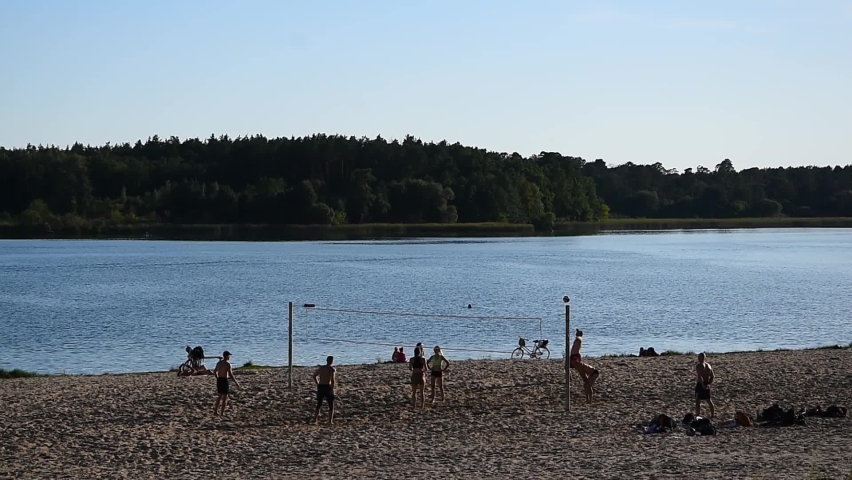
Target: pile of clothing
<point>833,411</point>
<point>698,425</point>
<point>661,423</point>
<point>775,416</point>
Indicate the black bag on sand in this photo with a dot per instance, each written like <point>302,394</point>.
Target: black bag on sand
<point>707,429</point>
<point>775,415</point>
<point>835,411</point>
<point>772,415</point>
<point>698,422</point>
<point>703,426</point>
<point>792,418</point>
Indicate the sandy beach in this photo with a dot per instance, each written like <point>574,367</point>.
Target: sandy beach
<point>502,419</point>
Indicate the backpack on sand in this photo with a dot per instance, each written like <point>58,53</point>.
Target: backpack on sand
<point>744,420</point>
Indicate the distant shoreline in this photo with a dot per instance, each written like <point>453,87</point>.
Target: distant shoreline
<point>263,232</point>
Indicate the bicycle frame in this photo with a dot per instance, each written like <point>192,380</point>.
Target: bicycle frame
<point>535,352</point>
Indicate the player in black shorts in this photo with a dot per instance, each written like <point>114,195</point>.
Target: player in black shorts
<point>325,378</point>
<point>223,372</point>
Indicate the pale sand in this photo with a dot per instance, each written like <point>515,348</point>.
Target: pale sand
<point>502,419</point>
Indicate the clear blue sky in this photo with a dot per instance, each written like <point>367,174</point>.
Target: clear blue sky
<point>762,82</point>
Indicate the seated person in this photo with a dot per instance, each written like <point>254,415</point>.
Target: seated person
<point>401,358</point>
<point>395,356</point>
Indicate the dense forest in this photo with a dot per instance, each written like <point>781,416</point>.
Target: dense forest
<point>345,180</point>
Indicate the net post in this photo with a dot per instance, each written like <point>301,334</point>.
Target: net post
<point>290,347</point>
<point>567,353</point>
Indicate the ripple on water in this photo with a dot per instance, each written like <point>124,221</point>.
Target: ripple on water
<point>118,306</point>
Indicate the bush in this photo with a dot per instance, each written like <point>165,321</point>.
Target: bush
<point>545,222</point>
<point>74,222</point>
<point>766,208</point>
<point>17,373</point>
<point>321,214</point>
<point>30,218</point>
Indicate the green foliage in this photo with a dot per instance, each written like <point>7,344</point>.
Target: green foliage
<point>335,180</point>
<point>766,208</point>
<point>319,180</point>
<point>252,366</point>
<point>669,353</point>
<point>651,191</point>
<point>17,373</point>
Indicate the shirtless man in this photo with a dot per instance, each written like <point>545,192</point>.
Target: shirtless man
<point>588,373</point>
<point>705,375</point>
<point>223,372</point>
<point>325,379</point>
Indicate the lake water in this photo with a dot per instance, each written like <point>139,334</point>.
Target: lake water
<point>122,306</point>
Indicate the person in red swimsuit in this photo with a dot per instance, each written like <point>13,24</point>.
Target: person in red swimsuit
<point>588,373</point>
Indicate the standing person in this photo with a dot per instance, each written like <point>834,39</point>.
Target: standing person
<point>223,372</point>
<point>419,346</point>
<point>588,373</point>
<point>325,378</point>
<point>439,364</point>
<point>418,378</point>
<point>705,375</point>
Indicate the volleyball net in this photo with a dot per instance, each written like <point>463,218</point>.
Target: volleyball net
<point>377,331</point>
<point>365,335</point>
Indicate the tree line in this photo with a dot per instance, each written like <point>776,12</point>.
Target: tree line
<point>331,180</point>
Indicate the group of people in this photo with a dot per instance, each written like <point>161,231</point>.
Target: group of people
<point>703,372</point>
<point>325,377</point>
<point>399,355</point>
<point>436,366</point>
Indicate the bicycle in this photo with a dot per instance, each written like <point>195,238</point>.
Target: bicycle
<point>194,363</point>
<point>539,350</point>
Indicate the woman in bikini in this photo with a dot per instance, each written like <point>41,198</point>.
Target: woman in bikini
<point>418,378</point>
<point>588,373</point>
<point>439,364</point>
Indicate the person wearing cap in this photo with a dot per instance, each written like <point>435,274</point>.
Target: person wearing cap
<point>223,372</point>
<point>439,364</point>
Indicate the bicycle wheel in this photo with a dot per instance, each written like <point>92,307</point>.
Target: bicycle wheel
<point>544,353</point>
<point>184,369</point>
<point>517,354</point>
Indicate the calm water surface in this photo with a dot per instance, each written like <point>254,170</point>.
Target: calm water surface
<point>122,306</point>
